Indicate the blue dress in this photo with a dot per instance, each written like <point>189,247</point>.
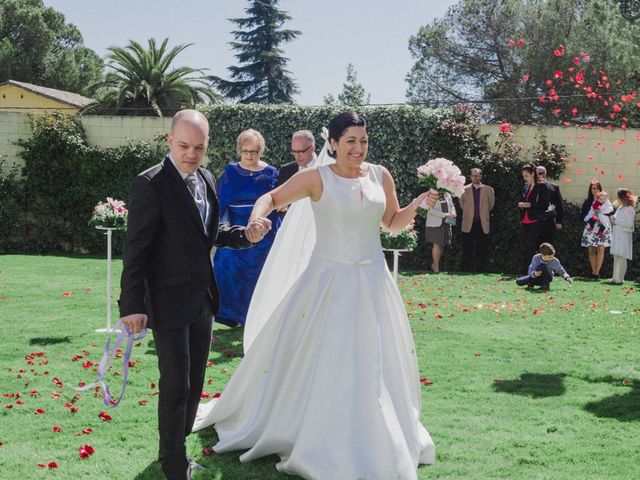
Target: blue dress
<point>237,271</point>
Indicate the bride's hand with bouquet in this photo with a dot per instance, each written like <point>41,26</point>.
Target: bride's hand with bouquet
<point>426,200</point>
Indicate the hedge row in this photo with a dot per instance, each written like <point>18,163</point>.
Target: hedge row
<point>46,209</point>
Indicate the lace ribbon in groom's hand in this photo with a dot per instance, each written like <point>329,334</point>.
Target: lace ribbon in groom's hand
<point>136,322</point>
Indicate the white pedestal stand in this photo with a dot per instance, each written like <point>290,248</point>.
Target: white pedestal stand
<point>108,233</point>
<point>396,256</point>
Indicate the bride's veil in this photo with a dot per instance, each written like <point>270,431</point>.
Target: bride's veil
<point>288,257</point>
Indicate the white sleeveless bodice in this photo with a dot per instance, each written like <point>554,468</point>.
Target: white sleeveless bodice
<point>348,215</point>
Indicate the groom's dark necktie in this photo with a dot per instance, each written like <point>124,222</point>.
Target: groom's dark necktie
<point>192,185</point>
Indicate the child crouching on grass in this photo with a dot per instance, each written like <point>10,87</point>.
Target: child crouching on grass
<point>542,268</point>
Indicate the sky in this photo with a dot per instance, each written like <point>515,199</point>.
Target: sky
<point>371,34</point>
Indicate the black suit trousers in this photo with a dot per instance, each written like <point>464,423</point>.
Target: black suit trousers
<point>475,244</point>
<point>548,233</point>
<point>531,234</point>
<point>182,360</point>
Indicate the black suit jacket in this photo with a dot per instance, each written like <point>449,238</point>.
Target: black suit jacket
<point>555,199</point>
<point>287,171</point>
<point>539,200</point>
<point>167,271</point>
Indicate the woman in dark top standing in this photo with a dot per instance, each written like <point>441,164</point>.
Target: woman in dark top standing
<point>594,244</point>
<point>534,204</point>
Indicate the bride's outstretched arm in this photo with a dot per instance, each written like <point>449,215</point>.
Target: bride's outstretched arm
<point>395,218</point>
<point>306,183</point>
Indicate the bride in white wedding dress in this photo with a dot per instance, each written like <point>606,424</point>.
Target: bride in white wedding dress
<point>330,381</point>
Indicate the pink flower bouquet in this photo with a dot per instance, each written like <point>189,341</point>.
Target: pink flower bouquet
<point>441,175</point>
<point>111,213</point>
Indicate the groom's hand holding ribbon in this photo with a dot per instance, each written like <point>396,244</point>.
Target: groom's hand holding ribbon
<point>136,322</point>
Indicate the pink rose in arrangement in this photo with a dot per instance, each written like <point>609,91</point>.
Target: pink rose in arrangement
<point>441,175</point>
<point>111,213</point>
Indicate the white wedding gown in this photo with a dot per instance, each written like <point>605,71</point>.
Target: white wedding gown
<point>330,383</point>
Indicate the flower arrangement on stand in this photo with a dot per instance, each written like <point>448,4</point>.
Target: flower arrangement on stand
<point>405,239</point>
<point>441,175</point>
<point>109,214</point>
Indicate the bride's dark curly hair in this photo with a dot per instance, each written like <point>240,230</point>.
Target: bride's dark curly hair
<point>341,122</point>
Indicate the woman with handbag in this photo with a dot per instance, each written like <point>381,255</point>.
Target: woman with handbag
<point>440,219</point>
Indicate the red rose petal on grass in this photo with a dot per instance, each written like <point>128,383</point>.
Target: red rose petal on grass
<point>85,451</point>
<point>426,381</point>
<point>207,452</point>
<point>39,411</point>
<point>66,294</point>
<point>42,465</point>
<point>143,402</point>
<point>87,431</point>
<point>56,428</point>
<point>20,402</point>
<point>104,416</point>
<point>153,385</point>
<point>8,406</point>
<point>52,465</point>
<point>217,395</point>
<point>477,354</point>
<point>537,311</point>
<point>57,381</point>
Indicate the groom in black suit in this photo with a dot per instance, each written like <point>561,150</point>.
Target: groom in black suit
<point>167,278</point>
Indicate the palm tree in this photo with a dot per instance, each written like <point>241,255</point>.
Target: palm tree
<point>142,82</point>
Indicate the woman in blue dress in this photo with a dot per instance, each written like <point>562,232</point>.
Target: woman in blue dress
<point>241,184</point>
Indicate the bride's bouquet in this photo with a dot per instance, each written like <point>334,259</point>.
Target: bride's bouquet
<point>441,175</point>
<point>111,214</point>
<point>405,239</point>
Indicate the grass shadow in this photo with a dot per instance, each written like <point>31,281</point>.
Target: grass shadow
<point>534,385</point>
<point>226,344</point>
<point>151,347</point>
<point>229,466</point>
<point>152,472</point>
<point>624,407</point>
<point>49,340</point>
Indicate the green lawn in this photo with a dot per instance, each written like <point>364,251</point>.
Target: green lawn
<point>526,385</point>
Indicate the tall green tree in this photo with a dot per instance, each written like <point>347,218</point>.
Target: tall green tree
<point>353,92</point>
<point>524,56</point>
<point>142,81</point>
<point>38,46</point>
<point>261,76</point>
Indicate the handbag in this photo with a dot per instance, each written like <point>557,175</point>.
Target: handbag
<point>450,221</point>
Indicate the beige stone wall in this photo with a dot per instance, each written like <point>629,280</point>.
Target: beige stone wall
<point>108,131</point>
<point>611,157</point>
<point>101,131</point>
<point>13,126</point>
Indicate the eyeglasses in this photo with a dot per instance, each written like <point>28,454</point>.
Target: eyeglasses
<point>249,152</point>
<point>300,152</point>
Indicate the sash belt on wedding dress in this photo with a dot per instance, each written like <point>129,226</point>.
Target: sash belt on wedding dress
<point>354,263</point>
